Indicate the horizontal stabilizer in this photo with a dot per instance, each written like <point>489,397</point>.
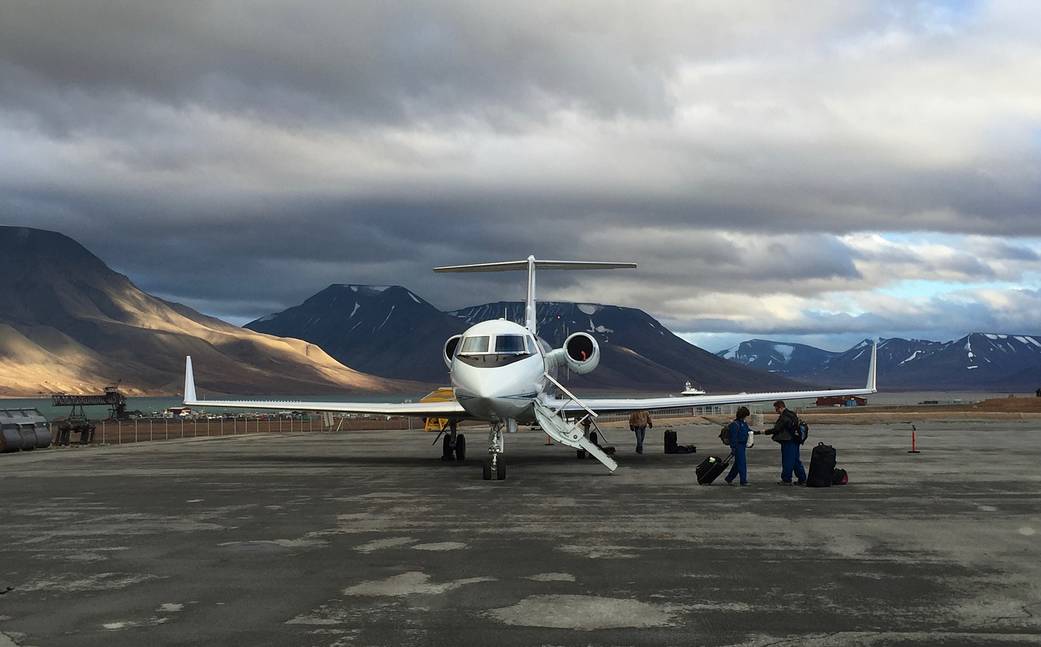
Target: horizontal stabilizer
<point>518,266</point>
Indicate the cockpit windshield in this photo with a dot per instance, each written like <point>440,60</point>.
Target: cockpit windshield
<point>500,350</point>
<point>477,344</point>
<point>510,344</point>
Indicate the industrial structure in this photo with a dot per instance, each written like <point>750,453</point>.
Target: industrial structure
<point>111,398</point>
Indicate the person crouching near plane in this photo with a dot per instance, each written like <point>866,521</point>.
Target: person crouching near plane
<point>785,431</point>
<point>638,422</point>
<point>739,433</point>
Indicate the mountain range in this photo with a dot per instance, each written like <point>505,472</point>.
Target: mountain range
<point>978,361</point>
<point>392,332</point>
<point>71,324</point>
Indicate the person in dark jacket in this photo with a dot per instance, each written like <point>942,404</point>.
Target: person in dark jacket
<point>785,432</point>
<point>739,433</point>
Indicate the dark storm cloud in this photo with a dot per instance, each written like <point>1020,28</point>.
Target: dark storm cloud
<point>241,156</point>
<point>331,61</point>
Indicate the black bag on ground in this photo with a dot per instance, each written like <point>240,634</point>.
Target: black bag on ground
<point>840,477</point>
<point>670,441</point>
<point>673,447</point>
<point>710,469</point>
<point>822,466</point>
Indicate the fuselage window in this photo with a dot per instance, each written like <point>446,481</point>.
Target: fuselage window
<point>474,345</point>
<point>510,344</point>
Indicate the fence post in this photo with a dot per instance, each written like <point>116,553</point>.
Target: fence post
<point>149,429</point>
<point>135,430</point>
<point>182,427</point>
<point>166,429</point>
<point>222,425</point>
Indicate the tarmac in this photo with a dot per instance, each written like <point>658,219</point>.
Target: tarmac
<point>367,538</point>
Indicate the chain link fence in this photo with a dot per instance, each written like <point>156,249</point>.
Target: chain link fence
<point>120,432</point>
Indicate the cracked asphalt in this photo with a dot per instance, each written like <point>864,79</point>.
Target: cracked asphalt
<point>367,538</point>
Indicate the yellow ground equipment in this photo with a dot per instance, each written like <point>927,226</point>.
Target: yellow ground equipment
<point>444,394</point>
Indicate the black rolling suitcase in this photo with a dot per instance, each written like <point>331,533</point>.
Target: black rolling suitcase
<point>822,466</point>
<point>710,469</point>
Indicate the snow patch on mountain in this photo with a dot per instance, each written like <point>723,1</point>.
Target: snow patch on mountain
<point>385,320</point>
<point>588,308</point>
<point>785,351</point>
<point>911,358</point>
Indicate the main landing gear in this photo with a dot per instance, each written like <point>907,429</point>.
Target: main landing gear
<point>453,447</point>
<point>496,462</point>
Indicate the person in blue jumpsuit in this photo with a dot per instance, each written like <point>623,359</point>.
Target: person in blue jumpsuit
<point>739,432</point>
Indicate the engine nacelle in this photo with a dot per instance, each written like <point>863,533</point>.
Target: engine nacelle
<point>451,344</point>
<point>581,353</point>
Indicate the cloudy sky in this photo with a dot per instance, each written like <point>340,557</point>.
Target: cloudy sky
<point>806,171</point>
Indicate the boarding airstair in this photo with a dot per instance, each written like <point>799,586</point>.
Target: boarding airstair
<point>567,432</point>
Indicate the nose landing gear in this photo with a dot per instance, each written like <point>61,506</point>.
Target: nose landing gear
<point>496,462</point>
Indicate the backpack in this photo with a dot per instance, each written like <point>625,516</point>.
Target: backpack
<point>801,433</point>
<point>724,434</point>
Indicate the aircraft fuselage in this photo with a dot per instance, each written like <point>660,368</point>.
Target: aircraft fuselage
<point>497,370</point>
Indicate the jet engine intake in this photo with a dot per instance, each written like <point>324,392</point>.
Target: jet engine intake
<point>451,344</point>
<point>581,352</point>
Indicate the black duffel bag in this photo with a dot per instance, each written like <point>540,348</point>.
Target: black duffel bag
<point>822,466</point>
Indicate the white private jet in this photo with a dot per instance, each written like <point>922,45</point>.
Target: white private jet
<point>503,373</point>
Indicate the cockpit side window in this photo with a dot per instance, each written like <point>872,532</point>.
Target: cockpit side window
<point>478,344</point>
<point>533,348</point>
<point>510,344</point>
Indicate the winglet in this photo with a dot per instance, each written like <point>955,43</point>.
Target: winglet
<point>189,382</point>
<point>871,375</point>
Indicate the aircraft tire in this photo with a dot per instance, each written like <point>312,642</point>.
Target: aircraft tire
<point>460,448</point>
<point>593,438</point>
<point>486,470</point>
<point>500,469</point>
<point>446,448</point>
<point>580,453</point>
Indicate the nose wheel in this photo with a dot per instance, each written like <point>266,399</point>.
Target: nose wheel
<point>494,468</point>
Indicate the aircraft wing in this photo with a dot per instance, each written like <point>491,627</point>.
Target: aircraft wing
<point>631,404</point>
<point>431,409</point>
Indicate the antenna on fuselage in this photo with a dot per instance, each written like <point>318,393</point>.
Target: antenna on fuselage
<point>531,264</point>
